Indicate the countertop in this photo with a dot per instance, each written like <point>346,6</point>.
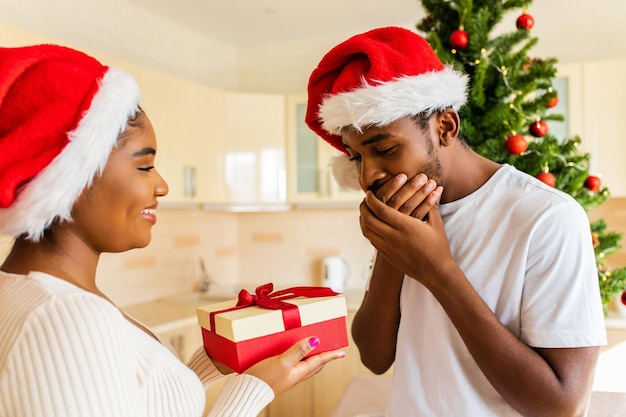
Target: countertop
<point>179,311</point>
<point>164,315</point>
<point>615,321</point>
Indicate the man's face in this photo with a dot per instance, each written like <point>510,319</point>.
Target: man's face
<point>400,147</point>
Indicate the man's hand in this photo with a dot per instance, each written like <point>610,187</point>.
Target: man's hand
<point>415,196</point>
<point>418,248</point>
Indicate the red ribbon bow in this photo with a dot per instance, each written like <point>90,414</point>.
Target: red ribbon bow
<point>265,298</point>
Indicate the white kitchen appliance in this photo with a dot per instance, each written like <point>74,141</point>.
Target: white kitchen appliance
<point>336,272</point>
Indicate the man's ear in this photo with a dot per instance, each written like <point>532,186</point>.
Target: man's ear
<point>448,125</point>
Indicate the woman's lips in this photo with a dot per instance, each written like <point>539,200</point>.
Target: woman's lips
<point>149,214</point>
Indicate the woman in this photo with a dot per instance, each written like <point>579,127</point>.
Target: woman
<point>77,179</point>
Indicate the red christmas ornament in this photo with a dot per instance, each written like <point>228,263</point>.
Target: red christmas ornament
<point>459,39</point>
<point>525,21</point>
<point>624,298</point>
<point>552,101</point>
<point>547,178</point>
<point>516,144</point>
<point>593,183</point>
<point>538,129</point>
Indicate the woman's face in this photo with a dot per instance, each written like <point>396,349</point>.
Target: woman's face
<point>118,211</point>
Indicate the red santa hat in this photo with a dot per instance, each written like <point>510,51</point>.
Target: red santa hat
<point>374,79</point>
<point>61,113</point>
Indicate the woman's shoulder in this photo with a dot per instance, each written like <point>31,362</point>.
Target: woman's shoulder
<point>26,294</point>
<point>37,305</point>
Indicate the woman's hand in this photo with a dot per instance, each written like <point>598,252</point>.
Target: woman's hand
<point>283,372</point>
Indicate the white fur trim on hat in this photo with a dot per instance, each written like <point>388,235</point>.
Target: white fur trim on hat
<point>52,193</point>
<point>384,103</point>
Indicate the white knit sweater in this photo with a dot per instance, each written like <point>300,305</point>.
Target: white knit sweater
<point>67,352</point>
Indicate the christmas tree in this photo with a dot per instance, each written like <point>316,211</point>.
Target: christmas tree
<point>509,106</point>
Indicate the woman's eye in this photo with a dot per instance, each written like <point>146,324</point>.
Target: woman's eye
<point>147,169</point>
<point>355,158</point>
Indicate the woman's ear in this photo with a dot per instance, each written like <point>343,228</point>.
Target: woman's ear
<point>449,125</point>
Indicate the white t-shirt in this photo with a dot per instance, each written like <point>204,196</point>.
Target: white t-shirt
<point>527,250</point>
<point>67,352</point>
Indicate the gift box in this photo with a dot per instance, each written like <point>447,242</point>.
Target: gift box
<point>243,331</point>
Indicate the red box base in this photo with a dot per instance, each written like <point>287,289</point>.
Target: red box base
<point>241,355</point>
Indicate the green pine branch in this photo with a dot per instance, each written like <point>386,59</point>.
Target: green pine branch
<point>509,90</point>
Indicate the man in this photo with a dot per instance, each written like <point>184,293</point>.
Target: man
<point>484,291</point>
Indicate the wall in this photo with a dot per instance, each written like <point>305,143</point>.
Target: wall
<point>245,249</point>
<point>171,263</point>
<point>250,249</point>
<point>287,247</point>
<point>614,213</point>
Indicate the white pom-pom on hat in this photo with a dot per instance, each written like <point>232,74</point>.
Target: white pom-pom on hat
<point>344,172</point>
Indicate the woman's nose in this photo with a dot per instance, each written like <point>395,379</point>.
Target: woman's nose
<point>161,189</point>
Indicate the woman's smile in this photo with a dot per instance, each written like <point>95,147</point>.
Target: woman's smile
<point>149,213</point>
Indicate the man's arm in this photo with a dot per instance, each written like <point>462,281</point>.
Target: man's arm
<point>536,382</point>
<point>375,325</point>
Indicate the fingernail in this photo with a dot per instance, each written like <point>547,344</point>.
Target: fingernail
<point>343,355</point>
<point>314,342</point>
<point>436,192</point>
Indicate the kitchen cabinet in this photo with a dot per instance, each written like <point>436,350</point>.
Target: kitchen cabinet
<point>596,111</point>
<point>215,148</point>
<point>185,340</point>
<point>310,178</point>
<point>254,150</point>
<point>189,121</point>
<point>319,395</point>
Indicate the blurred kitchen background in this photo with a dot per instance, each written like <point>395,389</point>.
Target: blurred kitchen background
<point>224,83</point>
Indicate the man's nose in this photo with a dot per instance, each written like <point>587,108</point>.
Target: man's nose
<point>370,173</point>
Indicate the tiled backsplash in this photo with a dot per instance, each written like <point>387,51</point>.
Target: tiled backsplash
<point>285,248</point>
<point>171,263</point>
<point>288,248</point>
<point>238,248</point>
